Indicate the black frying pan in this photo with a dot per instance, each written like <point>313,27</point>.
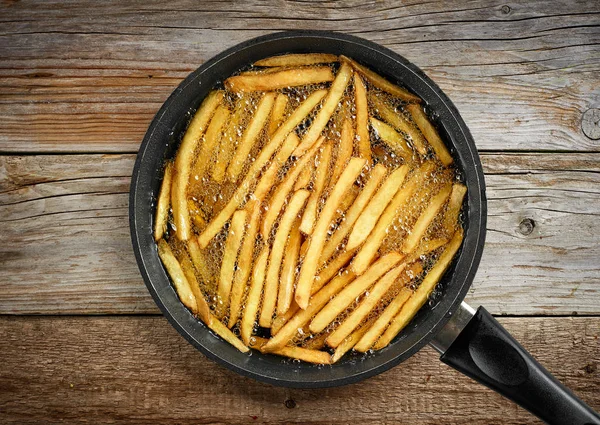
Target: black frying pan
<point>472,342</point>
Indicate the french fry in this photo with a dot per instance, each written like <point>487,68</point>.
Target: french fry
<point>163,203</point>
<point>426,247</point>
<point>381,83</point>
<point>183,163</point>
<point>300,353</point>
<point>392,139</point>
<point>329,106</point>
<point>278,113</point>
<point>369,249</point>
<point>350,342</point>
<point>347,200</point>
<point>232,246</point>
<point>317,240</point>
<point>316,343</point>
<point>280,79</point>
<point>353,213</point>
<point>202,310</point>
<point>282,319</point>
<point>344,151</point>
<point>419,297</point>
<point>196,214</point>
<point>253,301</point>
<point>267,180</point>
<point>430,133</point>
<point>397,120</point>
<point>229,140</point>
<point>302,317</point>
<point>310,212</point>
<point>362,118</point>
<point>278,198</point>
<point>265,155</point>
<point>297,59</point>
<point>212,138</point>
<point>398,275</point>
<point>244,262</point>
<point>331,269</point>
<point>199,261</point>
<point>272,282</point>
<point>182,286</point>
<point>454,205</point>
<point>376,206</point>
<point>352,291</point>
<point>250,136</point>
<point>304,178</point>
<point>223,331</point>
<point>288,271</point>
<point>429,213</point>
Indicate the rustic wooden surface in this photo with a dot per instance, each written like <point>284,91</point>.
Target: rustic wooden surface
<point>79,84</point>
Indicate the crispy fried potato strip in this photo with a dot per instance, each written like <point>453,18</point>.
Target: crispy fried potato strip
<point>163,203</point>
<point>280,79</point>
<point>430,133</point>
<point>297,59</point>
<point>253,301</point>
<point>310,212</point>
<point>362,118</point>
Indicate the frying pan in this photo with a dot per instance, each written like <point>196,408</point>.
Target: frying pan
<point>471,341</point>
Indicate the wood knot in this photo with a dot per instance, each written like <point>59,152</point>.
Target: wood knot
<point>290,403</point>
<point>526,226</point>
<point>590,123</point>
<point>505,9</point>
<point>590,368</point>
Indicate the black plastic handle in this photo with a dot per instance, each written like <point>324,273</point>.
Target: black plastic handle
<point>486,352</point>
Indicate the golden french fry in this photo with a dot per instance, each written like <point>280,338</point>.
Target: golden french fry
<point>253,301</point>
<point>397,120</point>
<point>304,178</point>
<point>182,286</point>
<point>232,246</point>
<point>202,310</point>
<point>352,291</point>
<point>162,205</point>
<point>331,269</point>
<point>244,262</point>
<point>305,354</point>
<point>211,140</point>
<point>280,79</point>
<point>426,247</point>
<point>348,343</point>
<point>376,206</point>
<point>454,205</point>
<point>267,180</point>
<point>316,342</point>
<point>283,190</point>
<point>250,136</point>
<point>310,212</point>
<point>183,163</point>
<point>297,59</point>
<point>272,283</point>
<point>392,139</point>
<point>429,213</point>
<point>381,83</point>
<point>329,106</point>
<point>419,297</point>
<point>196,214</point>
<point>288,271</point>
<point>362,118</point>
<point>347,200</point>
<point>229,140</point>
<point>317,240</point>
<point>430,133</point>
<point>265,155</point>
<point>223,331</point>
<point>302,317</point>
<point>354,212</point>
<point>344,151</point>
<point>369,249</point>
<point>199,262</point>
<point>282,319</point>
<point>278,113</point>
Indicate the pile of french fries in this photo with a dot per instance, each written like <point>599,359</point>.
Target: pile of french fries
<point>335,210</point>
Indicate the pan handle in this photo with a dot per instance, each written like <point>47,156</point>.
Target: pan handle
<point>475,344</point>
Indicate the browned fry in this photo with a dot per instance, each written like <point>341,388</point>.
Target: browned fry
<point>362,118</point>
<point>344,151</point>
<point>300,353</point>
<point>397,120</point>
<point>278,113</point>
<point>297,59</point>
<point>199,261</point>
<point>329,106</point>
<point>317,240</point>
<point>210,142</point>
<point>392,139</point>
<point>202,310</point>
<point>430,133</point>
<point>223,331</point>
<point>381,83</point>
<point>163,203</point>
<point>419,297</point>
<point>316,343</point>
<point>350,341</point>
<point>183,163</point>
<point>453,209</point>
<point>279,244</point>
<point>182,286</point>
<point>280,79</point>
<point>265,155</point>
<point>310,212</point>
<point>229,140</point>
<point>288,270</point>
<point>253,301</point>
<point>332,268</point>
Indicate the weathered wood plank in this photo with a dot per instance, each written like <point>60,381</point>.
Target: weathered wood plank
<point>138,370</point>
<point>66,248</point>
<point>89,79</point>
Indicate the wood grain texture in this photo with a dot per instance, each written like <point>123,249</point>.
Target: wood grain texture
<point>139,370</point>
<point>90,79</point>
<point>66,215</point>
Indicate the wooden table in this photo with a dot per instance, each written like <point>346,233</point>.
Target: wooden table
<point>80,338</point>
